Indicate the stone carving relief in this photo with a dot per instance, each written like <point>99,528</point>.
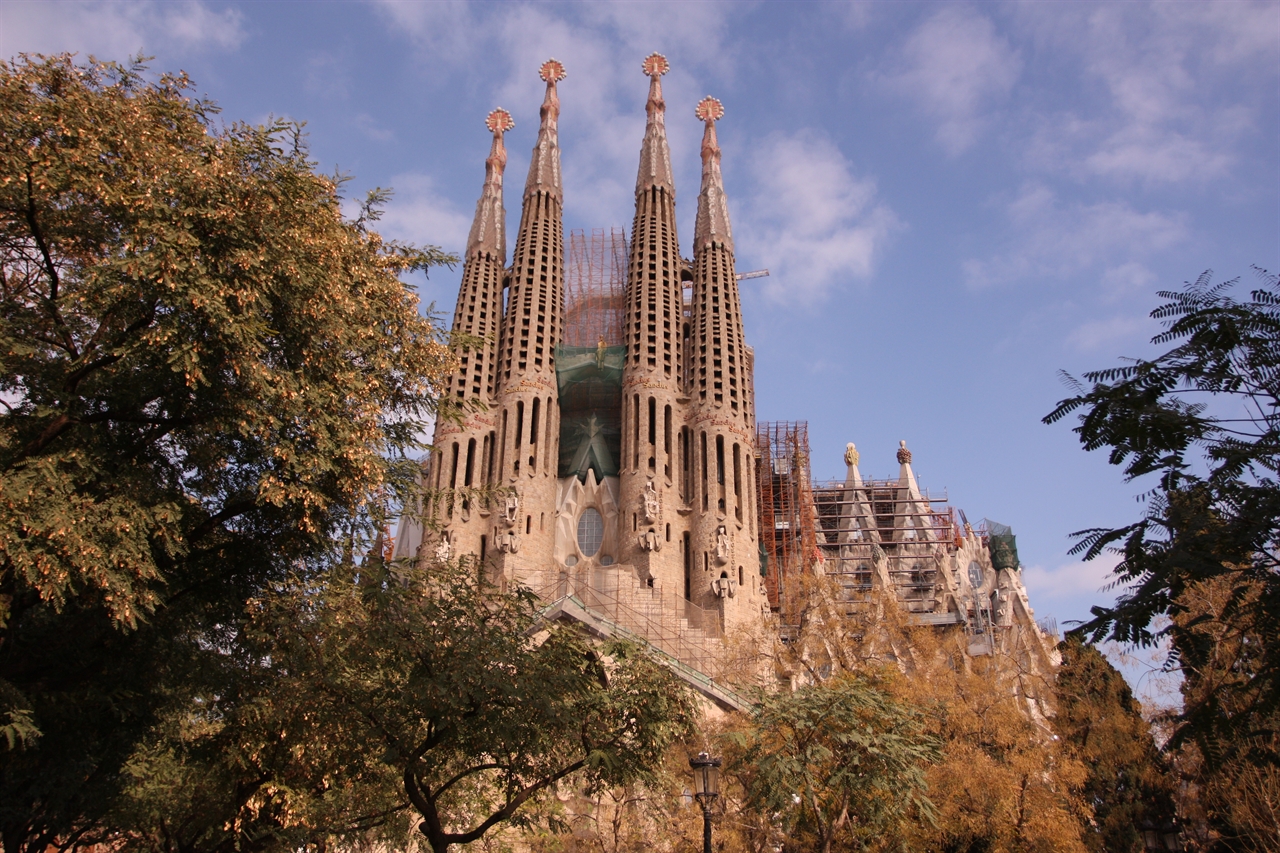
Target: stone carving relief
<point>511,509</point>
<point>650,540</point>
<point>444,548</point>
<point>507,541</point>
<point>724,586</point>
<point>722,545</point>
<point>652,506</point>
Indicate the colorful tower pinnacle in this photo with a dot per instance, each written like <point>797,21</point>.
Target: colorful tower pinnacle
<point>723,516</point>
<point>652,404</point>
<point>528,414</point>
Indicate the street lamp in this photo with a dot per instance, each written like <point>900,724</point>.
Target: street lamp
<point>706,787</point>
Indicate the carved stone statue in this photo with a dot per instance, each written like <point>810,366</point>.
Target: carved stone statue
<point>444,548</point>
<point>512,509</point>
<point>722,545</point>
<point>724,587</point>
<point>507,541</point>
<point>650,540</point>
<point>651,505</point>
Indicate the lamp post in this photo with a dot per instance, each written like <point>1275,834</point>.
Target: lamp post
<point>706,787</point>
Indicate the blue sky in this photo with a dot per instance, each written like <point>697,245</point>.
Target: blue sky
<point>955,200</point>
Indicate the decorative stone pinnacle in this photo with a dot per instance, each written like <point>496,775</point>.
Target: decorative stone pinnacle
<point>552,71</point>
<point>655,65</point>
<point>851,455</point>
<point>904,455</point>
<point>709,109</point>
<point>544,168</point>
<point>499,121</point>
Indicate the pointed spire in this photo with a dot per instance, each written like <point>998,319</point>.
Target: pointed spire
<point>488,229</point>
<point>907,477</point>
<point>655,155</point>
<point>712,223</point>
<point>544,167</point>
<point>853,477</point>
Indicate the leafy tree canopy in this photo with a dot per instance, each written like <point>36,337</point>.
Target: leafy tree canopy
<point>1204,419</point>
<point>208,379</point>
<point>839,762</point>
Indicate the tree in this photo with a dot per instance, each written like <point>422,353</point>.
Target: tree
<point>1128,783</point>
<point>209,380</point>
<point>1201,566</point>
<point>1204,419</point>
<point>839,763</point>
<point>481,708</point>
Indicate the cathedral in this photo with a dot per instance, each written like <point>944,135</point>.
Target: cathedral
<point>607,454</point>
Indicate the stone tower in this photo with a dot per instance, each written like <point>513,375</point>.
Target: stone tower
<point>721,411</point>
<point>526,409</point>
<point>465,454</point>
<point>654,441</point>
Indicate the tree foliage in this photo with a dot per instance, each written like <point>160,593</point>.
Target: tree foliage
<point>837,762</point>
<point>1204,419</point>
<point>1128,782</point>
<point>209,379</point>
<point>1201,567</point>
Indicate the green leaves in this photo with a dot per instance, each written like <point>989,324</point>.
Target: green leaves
<point>1204,417</point>
<point>210,380</point>
<point>837,760</point>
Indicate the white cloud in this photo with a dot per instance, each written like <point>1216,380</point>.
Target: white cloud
<point>1056,240</point>
<point>957,68</point>
<point>1180,83</point>
<point>418,214</point>
<point>116,30</point>
<point>1067,591</point>
<point>810,220</point>
<point>1098,334</point>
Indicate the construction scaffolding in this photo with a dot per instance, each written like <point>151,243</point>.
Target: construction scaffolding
<point>882,523</point>
<point>595,288</point>
<point>785,507</point>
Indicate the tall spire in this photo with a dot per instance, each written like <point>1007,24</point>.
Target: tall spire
<point>655,155</point>
<point>712,223</point>
<point>488,229</point>
<point>544,168</point>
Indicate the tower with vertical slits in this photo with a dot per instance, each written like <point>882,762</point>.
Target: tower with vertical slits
<point>721,408</point>
<point>465,453</point>
<point>654,441</point>
<point>526,408</point>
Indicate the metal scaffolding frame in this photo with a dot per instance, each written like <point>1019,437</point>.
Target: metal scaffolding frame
<point>595,288</point>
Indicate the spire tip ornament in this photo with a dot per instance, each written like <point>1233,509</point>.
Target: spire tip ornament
<point>655,65</point>
<point>552,71</point>
<point>709,109</point>
<point>904,455</point>
<point>499,121</point>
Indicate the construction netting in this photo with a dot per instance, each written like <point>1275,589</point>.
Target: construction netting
<point>589,360</point>
<point>1002,543</point>
<point>589,380</point>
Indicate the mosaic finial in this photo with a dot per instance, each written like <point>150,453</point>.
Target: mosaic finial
<point>499,121</point>
<point>904,455</point>
<point>655,65</point>
<point>552,71</point>
<point>709,109</point>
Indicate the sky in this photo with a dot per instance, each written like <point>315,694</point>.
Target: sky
<point>955,201</point>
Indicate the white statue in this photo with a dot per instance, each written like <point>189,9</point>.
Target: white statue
<point>512,509</point>
<point>650,502</point>
<point>444,548</point>
<point>722,545</point>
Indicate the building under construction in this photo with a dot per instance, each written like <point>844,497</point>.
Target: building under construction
<point>611,411</point>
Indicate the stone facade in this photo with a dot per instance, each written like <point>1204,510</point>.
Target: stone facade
<point>647,500</point>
